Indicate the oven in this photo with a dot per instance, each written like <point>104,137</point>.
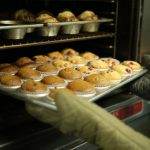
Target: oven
<point>120,38</point>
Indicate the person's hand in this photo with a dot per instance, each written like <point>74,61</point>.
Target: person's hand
<point>91,122</point>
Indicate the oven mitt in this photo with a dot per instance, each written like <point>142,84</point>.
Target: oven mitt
<point>141,87</point>
<point>90,122</point>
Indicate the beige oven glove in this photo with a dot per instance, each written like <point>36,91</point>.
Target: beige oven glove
<point>90,122</point>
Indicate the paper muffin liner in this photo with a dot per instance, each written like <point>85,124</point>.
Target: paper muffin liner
<point>79,65</point>
<point>100,87</point>
<point>48,73</point>
<point>35,94</point>
<point>57,86</point>
<point>3,86</point>
<point>115,81</point>
<point>126,75</point>
<point>39,79</point>
<point>117,61</point>
<point>137,70</point>
<point>86,94</point>
<point>101,70</point>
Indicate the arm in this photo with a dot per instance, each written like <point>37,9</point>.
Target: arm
<point>90,122</point>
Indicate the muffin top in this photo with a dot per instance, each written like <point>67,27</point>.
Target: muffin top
<point>97,80</point>
<point>61,64</point>
<point>29,65</point>
<point>112,75</point>
<point>122,69</point>
<point>41,58</point>
<point>3,65</point>
<point>98,64</point>
<point>45,18</point>
<point>80,86</point>
<point>77,60</point>
<point>70,74</point>
<point>9,69</point>
<point>86,70</point>
<point>10,80</point>
<point>27,73</point>
<point>46,67</point>
<point>55,55</point>
<point>89,56</point>
<point>111,61</point>
<point>53,80</point>
<point>69,52</point>
<point>132,64</point>
<point>33,86</point>
<point>66,16</point>
<point>88,15</point>
<point>23,60</point>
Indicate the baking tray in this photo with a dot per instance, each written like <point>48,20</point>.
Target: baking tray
<point>46,102</point>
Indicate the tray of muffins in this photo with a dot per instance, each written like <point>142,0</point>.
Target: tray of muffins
<point>38,79</point>
<point>45,24</point>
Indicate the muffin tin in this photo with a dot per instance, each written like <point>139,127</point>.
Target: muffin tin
<point>12,29</point>
<point>45,101</point>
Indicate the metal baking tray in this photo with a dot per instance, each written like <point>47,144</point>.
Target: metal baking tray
<point>46,102</point>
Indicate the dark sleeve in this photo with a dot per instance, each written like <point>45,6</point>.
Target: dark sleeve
<point>142,87</point>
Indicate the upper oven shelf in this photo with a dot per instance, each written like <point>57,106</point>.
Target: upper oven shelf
<point>36,41</point>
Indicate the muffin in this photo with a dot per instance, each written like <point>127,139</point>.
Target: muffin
<point>61,64</point>
<point>77,60</point>
<point>3,65</point>
<point>89,56</point>
<point>70,74</point>
<point>98,80</point>
<point>55,55</point>
<point>66,16</point>
<point>82,88</point>
<point>112,75</point>
<point>98,64</point>
<point>87,16</point>
<point>47,68</point>
<point>35,88</point>
<point>86,70</point>
<point>27,73</point>
<point>11,69</point>
<point>53,92</point>
<point>41,59</point>
<point>45,18</point>
<point>10,80</point>
<point>69,52</point>
<point>23,60</point>
<point>111,61</point>
<point>24,15</point>
<point>123,70</point>
<point>31,65</point>
<point>54,81</point>
<point>135,66</point>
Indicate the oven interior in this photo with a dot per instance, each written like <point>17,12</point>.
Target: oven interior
<point>114,39</point>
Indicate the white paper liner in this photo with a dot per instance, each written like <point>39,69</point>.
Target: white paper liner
<point>101,87</point>
<point>48,73</point>
<point>105,58</point>
<point>35,94</point>
<point>57,86</point>
<point>79,65</point>
<point>2,86</point>
<point>137,71</point>
<point>85,94</point>
<point>115,81</point>
<point>39,79</point>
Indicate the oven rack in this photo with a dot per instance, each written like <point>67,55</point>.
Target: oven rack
<point>48,103</point>
<point>32,40</point>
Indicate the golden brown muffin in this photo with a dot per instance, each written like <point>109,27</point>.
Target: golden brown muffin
<point>34,86</point>
<point>9,70</point>
<point>53,80</point>
<point>55,55</point>
<point>45,18</point>
<point>122,69</point>
<point>56,90</point>
<point>3,65</point>
<point>27,73</point>
<point>66,16</point>
<point>10,80</point>
<point>77,60</point>
<point>88,15</point>
<point>86,70</point>
<point>98,80</point>
<point>46,67</point>
<point>61,64</point>
<point>98,64</point>
<point>111,61</point>
<point>112,75</point>
<point>41,59</point>
<point>70,74</point>
<point>23,60</point>
<point>30,65</point>
<point>89,56</point>
<point>82,88</point>
<point>132,64</point>
<point>69,52</point>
